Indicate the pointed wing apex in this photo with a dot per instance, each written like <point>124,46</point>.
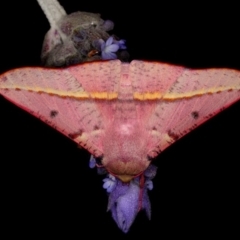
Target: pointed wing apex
<point>181,99</point>
<point>66,99</point>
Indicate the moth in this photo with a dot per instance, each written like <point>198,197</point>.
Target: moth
<point>110,109</point>
<point>123,114</point>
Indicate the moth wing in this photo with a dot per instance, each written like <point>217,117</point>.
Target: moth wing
<point>175,100</point>
<point>70,100</point>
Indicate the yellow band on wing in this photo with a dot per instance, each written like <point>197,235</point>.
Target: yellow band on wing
<point>69,94</point>
<point>114,95</point>
<point>176,96</point>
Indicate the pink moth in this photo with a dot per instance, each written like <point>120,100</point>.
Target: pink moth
<point>124,114</point>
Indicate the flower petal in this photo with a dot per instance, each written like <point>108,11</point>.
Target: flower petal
<point>108,56</point>
<point>92,162</point>
<point>149,184</point>
<point>109,41</point>
<point>121,44</point>
<point>109,184</point>
<point>112,48</point>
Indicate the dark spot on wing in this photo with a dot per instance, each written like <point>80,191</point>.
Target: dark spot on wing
<point>53,113</point>
<point>76,134</point>
<point>96,127</point>
<point>195,114</point>
<point>4,79</point>
<point>173,135</point>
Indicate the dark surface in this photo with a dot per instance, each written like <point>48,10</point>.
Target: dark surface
<point>47,188</point>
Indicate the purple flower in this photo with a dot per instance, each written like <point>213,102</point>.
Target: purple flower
<point>124,203</point>
<point>149,184</point>
<point>109,183</point>
<point>121,43</point>
<point>126,199</point>
<point>92,162</point>
<point>110,47</point>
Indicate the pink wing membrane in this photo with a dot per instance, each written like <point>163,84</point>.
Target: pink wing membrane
<point>103,76</point>
<point>60,98</point>
<point>153,76</point>
<point>80,101</point>
<point>188,98</point>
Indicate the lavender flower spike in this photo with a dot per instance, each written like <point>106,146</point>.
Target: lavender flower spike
<point>126,199</point>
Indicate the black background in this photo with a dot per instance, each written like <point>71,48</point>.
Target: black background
<point>47,188</point>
